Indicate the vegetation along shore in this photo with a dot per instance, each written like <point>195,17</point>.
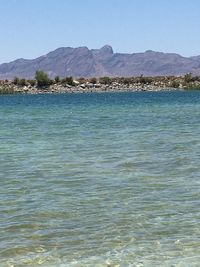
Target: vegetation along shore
<point>43,84</point>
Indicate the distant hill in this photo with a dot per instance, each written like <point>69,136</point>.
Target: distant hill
<point>83,62</point>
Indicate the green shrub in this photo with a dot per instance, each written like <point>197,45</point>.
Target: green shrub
<point>105,80</point>
<point>175,84</point>
<point>42,78</point>
<point>68,80</point>
<point>22,82</point>
<point>93,80</point>
<point>82,80</point>
<point>188,77</point>
<point>32,82</point>
<point>145,80</point>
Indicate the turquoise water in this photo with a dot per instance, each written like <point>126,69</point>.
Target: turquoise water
<point>100,180</point>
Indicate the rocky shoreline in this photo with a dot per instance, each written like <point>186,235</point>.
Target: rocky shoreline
<point>86,88</point>
<point>59,89</point>
<point>89,89</point>
<point>114,85</point>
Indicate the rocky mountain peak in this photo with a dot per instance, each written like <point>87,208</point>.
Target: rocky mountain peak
<point>107,49</point>
<point>83,62</point>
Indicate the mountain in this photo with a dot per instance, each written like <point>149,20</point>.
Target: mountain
<point>83,62</point>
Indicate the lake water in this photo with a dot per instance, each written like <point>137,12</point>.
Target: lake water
<point>100,180</point>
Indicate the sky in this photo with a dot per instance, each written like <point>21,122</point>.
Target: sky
<point>31,28</point>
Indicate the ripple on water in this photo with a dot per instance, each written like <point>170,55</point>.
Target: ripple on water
<point>100,180</point>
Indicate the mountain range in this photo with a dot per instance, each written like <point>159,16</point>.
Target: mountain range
<point>84,62</point>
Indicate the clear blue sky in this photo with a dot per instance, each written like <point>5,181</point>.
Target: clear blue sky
<point>30,28</point>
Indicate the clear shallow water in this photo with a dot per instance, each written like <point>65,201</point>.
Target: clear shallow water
<point>100,180</point>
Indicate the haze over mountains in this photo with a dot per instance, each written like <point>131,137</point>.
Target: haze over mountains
<point>83,62</point>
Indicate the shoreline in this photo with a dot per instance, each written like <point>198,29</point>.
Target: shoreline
<point>60,89</point>
<point>104,84</point>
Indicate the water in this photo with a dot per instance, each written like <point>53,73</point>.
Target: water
<point>100,180</point>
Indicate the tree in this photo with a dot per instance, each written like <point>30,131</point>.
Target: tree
<point>42,78</point>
